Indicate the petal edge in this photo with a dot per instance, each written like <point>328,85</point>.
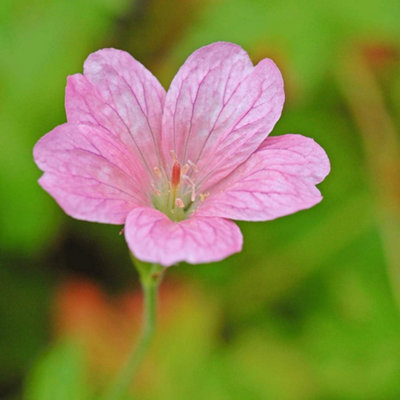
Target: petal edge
<point>277,180</point>
<point>153,237</point>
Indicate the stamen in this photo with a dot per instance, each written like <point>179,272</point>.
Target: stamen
<point>179,203</point>
<point>156,191</point>
<point>185,169</point>
<point>193,196</point>
<point>193,165</point>
<point>173,155</point>
<point>203,196</point>
<point>157,171</point>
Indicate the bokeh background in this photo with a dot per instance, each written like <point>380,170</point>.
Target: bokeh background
<point>308,311</point>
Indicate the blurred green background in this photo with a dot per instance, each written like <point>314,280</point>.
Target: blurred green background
<point>309,310</point>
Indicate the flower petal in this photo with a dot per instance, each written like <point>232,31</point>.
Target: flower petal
<point>119,94</point>
<point>153,237</point>
<point>278,179</point>
<point>219,109</point>
<point>88,173</point>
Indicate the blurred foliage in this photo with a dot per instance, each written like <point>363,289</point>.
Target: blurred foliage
<point>307,37</point>
<point>308,310</point>
<point>25,294</point>
<point>60,373</point>
<point>44,42</point>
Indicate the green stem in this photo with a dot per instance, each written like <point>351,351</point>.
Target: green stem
<point>150,277</point>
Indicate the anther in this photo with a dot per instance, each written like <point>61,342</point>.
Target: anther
<point>203,196</point>
<point>185,169</point>
<point>179,203</point>
<point>157,171</point>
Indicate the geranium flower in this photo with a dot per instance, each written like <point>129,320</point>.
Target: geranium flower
<point>176,167</point>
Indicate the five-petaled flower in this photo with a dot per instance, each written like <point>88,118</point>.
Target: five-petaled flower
<point>175,167</point>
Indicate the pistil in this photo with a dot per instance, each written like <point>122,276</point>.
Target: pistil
<point>175,180</point>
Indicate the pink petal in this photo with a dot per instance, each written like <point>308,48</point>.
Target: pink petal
<point>119,94</point>
<point>219,109</point>
<point>278,179</point>
<point>88,173</point>
<point>153,237</point>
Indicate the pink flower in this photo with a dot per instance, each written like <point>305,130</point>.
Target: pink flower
<point>175,167</point>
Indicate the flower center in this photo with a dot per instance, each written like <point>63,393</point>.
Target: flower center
<point>176,196</point>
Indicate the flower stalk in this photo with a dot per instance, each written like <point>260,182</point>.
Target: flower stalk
<point>150,278</point>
